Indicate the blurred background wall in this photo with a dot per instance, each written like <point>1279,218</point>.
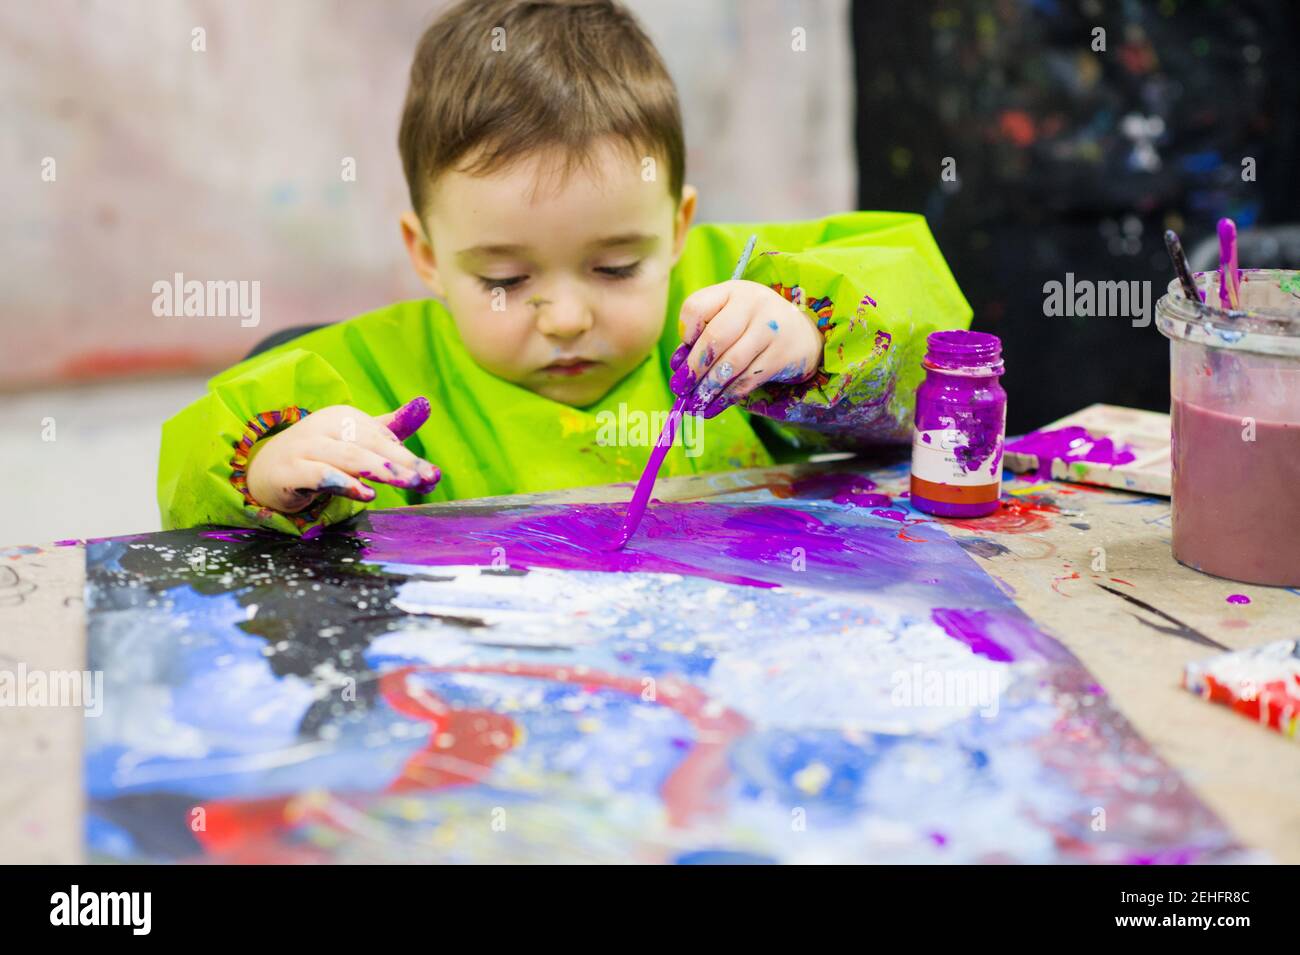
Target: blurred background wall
<point>1075,159</point>
<point>226,163</point>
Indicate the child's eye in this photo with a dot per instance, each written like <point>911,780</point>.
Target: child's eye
<point>619,271</point>
<point>510,282</point>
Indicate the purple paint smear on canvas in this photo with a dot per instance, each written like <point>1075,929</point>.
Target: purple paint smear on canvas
<point>854,490</point>
<point>972,628</point>
<point>754,545</point>
<point>1069,445</point>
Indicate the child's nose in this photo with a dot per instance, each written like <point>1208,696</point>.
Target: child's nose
<point>564,319</point>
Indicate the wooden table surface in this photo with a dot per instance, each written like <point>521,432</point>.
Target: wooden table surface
<point>1134,621</point>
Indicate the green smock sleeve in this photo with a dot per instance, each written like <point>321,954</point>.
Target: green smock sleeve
<point>204,454</point>
<point>876,284</point>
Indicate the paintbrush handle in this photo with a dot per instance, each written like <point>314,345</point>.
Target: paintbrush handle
<point>641,496</point>
<point>1181,267</point>
<point>739,271</point>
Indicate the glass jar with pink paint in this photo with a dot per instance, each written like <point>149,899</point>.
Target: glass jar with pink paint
<point>1235,388</point>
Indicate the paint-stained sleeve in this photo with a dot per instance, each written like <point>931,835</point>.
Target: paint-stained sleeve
<point>205,447</point>
<point>876,284</point>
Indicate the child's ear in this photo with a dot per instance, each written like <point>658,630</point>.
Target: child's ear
<point>420,251</point>
<point>682,221</point>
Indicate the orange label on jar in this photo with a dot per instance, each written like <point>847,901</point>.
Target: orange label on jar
<point>938,475</point>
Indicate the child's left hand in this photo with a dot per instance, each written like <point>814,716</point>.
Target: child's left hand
<point>740,335</point>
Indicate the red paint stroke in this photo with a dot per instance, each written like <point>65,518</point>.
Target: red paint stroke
<point>690,789</point>
<point>1086,488</point>
<point>904,536</point>
<point>110,362</point>
<point>462,746</point>
<point>1015,516</point>
<point>463,743</point>
<point>1124,582</point>
<point>1074,576</point>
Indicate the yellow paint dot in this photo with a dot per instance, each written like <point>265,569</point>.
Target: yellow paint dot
<point>812,779</point>
<point>1032,489</point>
<point>572,422</point>
<point>411,809</point>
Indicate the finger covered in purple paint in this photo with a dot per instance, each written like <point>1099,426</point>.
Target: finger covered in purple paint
<point>408,419</point>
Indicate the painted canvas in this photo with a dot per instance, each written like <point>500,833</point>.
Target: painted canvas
<point>751,680</point>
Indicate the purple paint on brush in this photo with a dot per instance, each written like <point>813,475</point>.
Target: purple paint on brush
<point>682,383</point>
<point>641,497</point>
<point>408,418</point>
<point>1229,274</point>
<point>1069,445</point>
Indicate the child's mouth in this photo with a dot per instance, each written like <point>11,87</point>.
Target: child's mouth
<point>570,367</point>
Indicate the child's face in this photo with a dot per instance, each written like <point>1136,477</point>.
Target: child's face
<point>558,284</point>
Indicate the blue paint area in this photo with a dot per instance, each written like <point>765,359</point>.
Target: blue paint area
<point>659,716</point>
<point>723,857</point>
<point>104,837</point>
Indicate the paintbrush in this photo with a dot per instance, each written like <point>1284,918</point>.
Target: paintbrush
<point>1229,274</point>
<point>1181,267</point>
<point>641,496</point>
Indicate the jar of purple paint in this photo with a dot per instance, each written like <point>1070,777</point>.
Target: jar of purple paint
<point>961,419</point>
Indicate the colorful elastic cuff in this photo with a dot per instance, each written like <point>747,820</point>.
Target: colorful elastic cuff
<point>821,309</point>
<point>255,429</point>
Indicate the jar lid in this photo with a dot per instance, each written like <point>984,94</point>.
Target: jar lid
<point>961,352</point>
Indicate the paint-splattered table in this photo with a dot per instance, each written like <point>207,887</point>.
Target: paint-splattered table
<point>1092,567</point>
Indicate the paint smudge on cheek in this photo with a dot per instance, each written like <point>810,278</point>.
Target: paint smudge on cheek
<point>1238,599</point>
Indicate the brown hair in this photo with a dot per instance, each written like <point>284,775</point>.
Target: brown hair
<point>572,71</point>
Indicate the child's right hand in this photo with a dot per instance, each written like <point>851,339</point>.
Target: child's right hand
<point>330,449</point>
